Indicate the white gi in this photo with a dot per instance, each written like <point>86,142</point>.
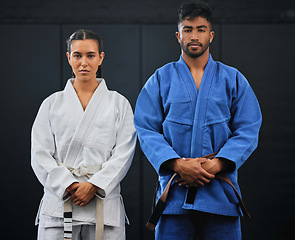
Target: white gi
<point>103,134</point>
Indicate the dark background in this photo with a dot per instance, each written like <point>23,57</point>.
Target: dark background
<point>255,36</point>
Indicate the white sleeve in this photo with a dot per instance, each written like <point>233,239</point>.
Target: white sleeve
<point>53,177</point>
<point>116,167</point>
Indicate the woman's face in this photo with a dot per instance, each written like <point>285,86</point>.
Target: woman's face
<point>85,59</point>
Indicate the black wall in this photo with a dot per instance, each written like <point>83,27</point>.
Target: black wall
<point>257,37</point>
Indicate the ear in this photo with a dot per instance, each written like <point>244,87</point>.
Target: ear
<point>69,57</point>
<point>212,34</point>
<point>101,55</point>
<point>177,34</point>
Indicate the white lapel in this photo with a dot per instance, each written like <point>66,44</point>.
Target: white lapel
<point>73,101</point>
<point>84,118</point>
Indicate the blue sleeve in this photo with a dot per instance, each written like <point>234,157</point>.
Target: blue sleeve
<point>148,119</point>
<point>245,124</point>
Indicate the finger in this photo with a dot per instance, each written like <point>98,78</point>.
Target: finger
<point>73,197</point>
<point>199,183</point>
<point>184,183</point>
<point>78,202</point>
<point>179,180</point>
<point>204,180</point>
<point>203,160</point>
<point>73,191</point>
<point>207,175</point>
<point>73,187</point>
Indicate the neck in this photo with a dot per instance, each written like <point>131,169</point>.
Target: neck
<point>85,86</point>
<point>198,63</point>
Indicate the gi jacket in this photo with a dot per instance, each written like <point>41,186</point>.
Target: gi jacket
<point>103,134</point>
<point>174,119</point>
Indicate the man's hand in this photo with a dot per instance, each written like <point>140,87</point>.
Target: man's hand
<point>191,171</point>
<point>82,193</point>
<point>213,166</point>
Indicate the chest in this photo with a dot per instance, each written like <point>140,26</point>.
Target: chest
<point>197,76</point>
<point>66,122</point>
<point>84,99</point>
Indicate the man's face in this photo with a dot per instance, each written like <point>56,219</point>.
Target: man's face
<point>194,36</point>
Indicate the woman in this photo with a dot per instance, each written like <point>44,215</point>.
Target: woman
<point>83,141</point>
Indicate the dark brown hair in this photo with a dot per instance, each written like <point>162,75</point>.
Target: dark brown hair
<point>83,34</point>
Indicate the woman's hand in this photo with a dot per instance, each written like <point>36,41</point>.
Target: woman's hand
<point>82,193</point>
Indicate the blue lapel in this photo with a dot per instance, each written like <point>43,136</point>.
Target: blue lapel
<point>199,100</point>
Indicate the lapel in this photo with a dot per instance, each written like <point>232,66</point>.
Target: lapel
<point>187,78</point>
<point>83,118</point>
<point>73,102</point>
<point>199,100</point>
<point>201,108</point>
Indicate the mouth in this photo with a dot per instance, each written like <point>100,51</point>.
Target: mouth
<point>84,71</point>
<point>194,45</point>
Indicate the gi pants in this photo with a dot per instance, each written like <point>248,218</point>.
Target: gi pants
<point>198,226</point>
<point>80,232</point>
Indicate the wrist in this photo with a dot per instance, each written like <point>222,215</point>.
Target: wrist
<point>171,164</point>
<point>222,164</point>
<point>95,188</point>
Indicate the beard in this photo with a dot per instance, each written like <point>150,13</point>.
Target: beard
<point>194,54</point>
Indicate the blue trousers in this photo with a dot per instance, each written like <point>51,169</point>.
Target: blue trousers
<point>198,226</point>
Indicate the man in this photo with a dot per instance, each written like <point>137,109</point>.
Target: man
<point>188,109</point>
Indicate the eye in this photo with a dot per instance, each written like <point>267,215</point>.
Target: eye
<point>77,56</point>
<point>187,30</point>
<point>201,30</point>
<point>91,55</point>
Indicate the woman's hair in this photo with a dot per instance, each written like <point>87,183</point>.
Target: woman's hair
<point>83,34</point>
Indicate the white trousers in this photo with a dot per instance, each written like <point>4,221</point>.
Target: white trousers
<point>81,232</point>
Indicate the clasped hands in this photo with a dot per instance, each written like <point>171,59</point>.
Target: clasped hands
<point>81,193</point>
<point>196,172</point>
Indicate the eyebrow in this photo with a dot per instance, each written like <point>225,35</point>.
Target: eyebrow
<point>86,53</point>
<point>198,27</point>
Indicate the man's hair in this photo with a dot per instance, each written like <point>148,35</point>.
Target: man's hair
<point>191,10</point>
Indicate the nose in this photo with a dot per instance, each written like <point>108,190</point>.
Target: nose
<point>84,62</point>
<point>194,36</point>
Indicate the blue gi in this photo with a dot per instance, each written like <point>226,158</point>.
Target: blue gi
<point>174,119</point>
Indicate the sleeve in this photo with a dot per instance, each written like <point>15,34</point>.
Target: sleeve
<point>53,177</point>
<point>245,124</point>
<point>116,167</point>
<point>148,120</point>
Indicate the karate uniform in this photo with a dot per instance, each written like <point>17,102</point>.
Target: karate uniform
<point>102,135</point>
<point>176,120</point>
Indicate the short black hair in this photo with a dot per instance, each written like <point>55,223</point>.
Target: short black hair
<point>191,10</point>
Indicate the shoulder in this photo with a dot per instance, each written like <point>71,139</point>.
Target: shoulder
<point>231,75</point>
<point>48,101</point>
<point>162,76</point>
<point>166,70</point>
<point>118,100</point>
<point>226,69</point>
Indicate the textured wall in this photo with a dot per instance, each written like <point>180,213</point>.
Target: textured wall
<point>255,36</point>
<point>140,11</point>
